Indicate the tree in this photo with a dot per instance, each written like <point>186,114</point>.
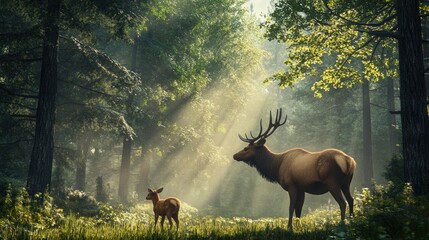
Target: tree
<point>39,175</point>
<point>351,32</point>
<point>20,71</point>
<point>51,18</point>
<point>414,110</point>
<point>195,48</point>
<point>367,137</point>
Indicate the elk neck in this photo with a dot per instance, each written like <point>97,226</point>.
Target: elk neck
<point>267,163</point>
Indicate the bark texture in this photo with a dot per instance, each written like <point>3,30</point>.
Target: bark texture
<point>414,115</point>
<point>40,170</point>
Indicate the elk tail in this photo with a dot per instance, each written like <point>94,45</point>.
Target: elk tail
<point>346,163</point>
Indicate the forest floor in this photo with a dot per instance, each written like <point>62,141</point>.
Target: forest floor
<point>380,213</point>
<point>318,225</point>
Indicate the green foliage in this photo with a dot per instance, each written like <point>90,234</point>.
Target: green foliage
<point>394,174</point>
<point>196,61</point>
<point>92,85</point>
<point>137,223</point>
<point>333,41</point>
<point>77,202</point>
<point>395,170</point>
<point>24,214</point>
<point>183,48</point>
<point>383,214</point>
<point>378,215</point>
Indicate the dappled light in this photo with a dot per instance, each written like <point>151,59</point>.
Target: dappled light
<point>196,166</point>
<point>214,119</point>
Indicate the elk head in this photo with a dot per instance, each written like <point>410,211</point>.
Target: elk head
<point>257,143</point>
<point>153,194</point>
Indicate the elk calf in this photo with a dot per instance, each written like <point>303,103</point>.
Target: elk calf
<point>164,207</point>
<point>299,171</point>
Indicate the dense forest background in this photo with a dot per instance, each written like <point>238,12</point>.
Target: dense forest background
<point>153,94</point>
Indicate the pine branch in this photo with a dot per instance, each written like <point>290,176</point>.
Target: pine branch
<point>33,117</point>
<point>382,33</point>
<point>13,93</point>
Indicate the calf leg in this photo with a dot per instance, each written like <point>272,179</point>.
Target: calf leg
<point>162,222</point>
<point>156,220</point>
<point>169,220</point>
<point>176,219</point>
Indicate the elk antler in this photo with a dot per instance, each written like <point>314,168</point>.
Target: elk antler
<point>270,130</point>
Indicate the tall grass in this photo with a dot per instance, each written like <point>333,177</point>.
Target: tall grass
<point>137,223</point>
<point>196,228</point>
<point>379,215</point>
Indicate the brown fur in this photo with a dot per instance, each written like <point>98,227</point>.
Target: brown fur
<point>164,207</point>
<point>299,171</point>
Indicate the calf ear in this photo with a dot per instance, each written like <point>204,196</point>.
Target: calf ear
<point>149,190</point>
<point>159,190</point>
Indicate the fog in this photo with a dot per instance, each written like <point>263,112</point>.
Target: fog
<point>202,173</point>
<point>187,112</point>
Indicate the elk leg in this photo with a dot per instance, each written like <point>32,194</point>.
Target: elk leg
<point>169,220</point>
<point>176,219</point>
<point>156,220</point>
<point>292,197</point>
<point>346,191</point>
<point>336,193</point>
<point>299,204</point>
<point>162,222</point>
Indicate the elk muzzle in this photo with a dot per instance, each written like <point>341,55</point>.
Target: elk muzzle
<point>236,157</point>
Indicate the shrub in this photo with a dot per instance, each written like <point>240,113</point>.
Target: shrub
<point>395,173</point>
<point>383,215</point>
<point>76,201</point>
<point>22,213</point>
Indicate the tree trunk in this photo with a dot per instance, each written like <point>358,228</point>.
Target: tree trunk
<point>127,143</point>
<point>40,170</point>
<point>414,115</point>
<point>367,138</point>
<point>143,179</point>
<point>425,30</point>
<point>82,156</point>
<point>125,170</point>
<point>391,121</point>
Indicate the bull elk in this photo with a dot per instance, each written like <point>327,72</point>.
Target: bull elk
<point>164,207</point>
<point>299,171</point>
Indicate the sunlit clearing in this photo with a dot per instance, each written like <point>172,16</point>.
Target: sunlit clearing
<point>197,183</point>
<point>191,155</point>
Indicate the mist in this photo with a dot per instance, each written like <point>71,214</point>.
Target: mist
<point>201,171</point>
<point>181,87</point>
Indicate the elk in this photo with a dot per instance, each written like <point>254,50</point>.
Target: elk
<point>299,171</point>
<point>164,207</point>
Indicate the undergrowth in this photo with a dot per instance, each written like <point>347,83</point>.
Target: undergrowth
<point>379,214</point>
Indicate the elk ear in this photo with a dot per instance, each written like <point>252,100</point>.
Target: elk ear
<point>149,190</point>
<point>159,190</point>
<point>261,142</point>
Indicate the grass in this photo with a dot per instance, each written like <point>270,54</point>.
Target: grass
<point>138,224</point>
<point>198,228</point>
<point>380,213</point>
